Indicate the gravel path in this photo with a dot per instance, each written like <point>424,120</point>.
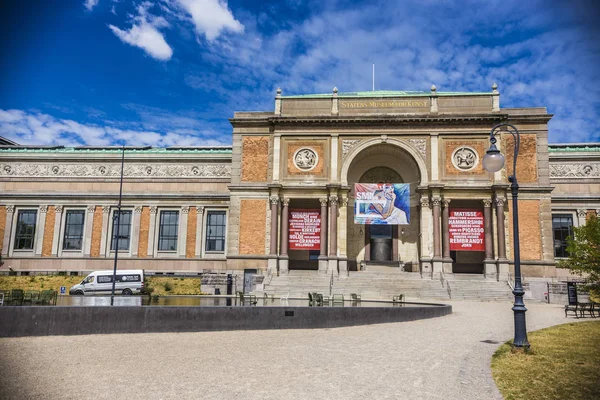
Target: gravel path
<point>441,358</point>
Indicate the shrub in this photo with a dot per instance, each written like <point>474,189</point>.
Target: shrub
<point>168,286</point>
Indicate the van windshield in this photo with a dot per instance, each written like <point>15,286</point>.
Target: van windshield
<point>89,279</point>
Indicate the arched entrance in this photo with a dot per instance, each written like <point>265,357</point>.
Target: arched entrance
<point>393,161</point>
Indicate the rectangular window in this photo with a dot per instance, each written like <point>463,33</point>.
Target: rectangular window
<point>124,234</point>
<point>73,236</point>
<point>215,231</point>
<point>562,226</point>
<point>167,230</point>
<point>25,232</point>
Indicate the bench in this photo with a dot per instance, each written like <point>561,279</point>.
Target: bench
<point>398,299</point>
<point>580,309</point>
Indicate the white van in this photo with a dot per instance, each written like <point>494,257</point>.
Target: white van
<point>128,282</point>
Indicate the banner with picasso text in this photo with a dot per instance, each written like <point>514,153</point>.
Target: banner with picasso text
<point>466,230</point>
<point>305,230</point>
<point>382,203</point>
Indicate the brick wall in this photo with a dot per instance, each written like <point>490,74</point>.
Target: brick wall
<point>527,159</point>
<point>478,146</point>
<point>530,233</point>
<point>144,232</point>
<point>49,232</point>
<point>96,232</point>
<point>253,220</point>
<point>190,244</point>
<point>255,158</point>
<point>319,148</point>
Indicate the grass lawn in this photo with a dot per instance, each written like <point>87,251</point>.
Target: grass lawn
<point>564,363</point>
<point>162,285</point>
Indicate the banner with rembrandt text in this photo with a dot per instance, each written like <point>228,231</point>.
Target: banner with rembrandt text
<point>382,203</point>
<point>466,230</point>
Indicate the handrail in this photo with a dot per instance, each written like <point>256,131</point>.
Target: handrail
<point>331,284</point>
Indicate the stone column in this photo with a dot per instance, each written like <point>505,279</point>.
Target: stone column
<point>152,230</point>
<point>182,232</point>
<point>426,237</point>
<point>437,242</point>
<point>502,260</point>
<point>199,230</point>
<point>323,238</point>
<point>89,225</point>
<point>105,233</point>
<point>447,263</point>
<point>10,212</point>
<point>272,262</point>
<point>343,237</point>
<point>39,231</point>
<point>581,216</point>
<point>135,230</point>
<point>489,264</point>
<point>56,236</point>
<point>333,244</point>
<point>285,226</point>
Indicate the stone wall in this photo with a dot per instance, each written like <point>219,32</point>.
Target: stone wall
<point>255,158</point>
<point>317,146</point>
<point>530,234</point>
<point>451,146</point>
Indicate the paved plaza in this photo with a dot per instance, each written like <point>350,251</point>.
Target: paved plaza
<point>441,358</point>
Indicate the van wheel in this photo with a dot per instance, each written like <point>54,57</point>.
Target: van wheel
<point>78,293</point>
<point>127,292</point>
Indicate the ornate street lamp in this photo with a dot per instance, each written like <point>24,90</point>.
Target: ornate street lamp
<point>493,161</point>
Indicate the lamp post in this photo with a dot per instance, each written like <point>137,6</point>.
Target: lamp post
<point>118,229</point>
<point>493,161</point>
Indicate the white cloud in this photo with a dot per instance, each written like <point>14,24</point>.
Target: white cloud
<point>211,17</point>
<point>145,34</point>
<point>43,129</point>
<point>90,4</point>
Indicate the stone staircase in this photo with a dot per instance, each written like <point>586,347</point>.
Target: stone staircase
<point>378,283</point>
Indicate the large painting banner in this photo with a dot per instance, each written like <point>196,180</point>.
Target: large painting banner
<point>382,203</point>
<point>305,230</point>
<point>466,230</point>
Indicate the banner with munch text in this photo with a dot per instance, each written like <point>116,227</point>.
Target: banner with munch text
<point>305,230</point>
<point>466,230</point>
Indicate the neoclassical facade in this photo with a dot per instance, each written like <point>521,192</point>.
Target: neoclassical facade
<point>192,209</point>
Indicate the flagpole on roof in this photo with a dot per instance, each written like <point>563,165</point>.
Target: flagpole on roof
<point>373,76</point>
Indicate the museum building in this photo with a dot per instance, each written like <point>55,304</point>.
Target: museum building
<point>284,195</point>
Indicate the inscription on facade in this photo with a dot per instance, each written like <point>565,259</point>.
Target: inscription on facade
<point>384,104</point>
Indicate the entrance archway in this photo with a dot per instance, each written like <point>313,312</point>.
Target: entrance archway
<point>392,161</point>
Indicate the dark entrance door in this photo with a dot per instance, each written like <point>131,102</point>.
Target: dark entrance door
<point>381,242</point>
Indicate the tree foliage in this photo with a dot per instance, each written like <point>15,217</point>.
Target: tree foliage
<point>584,253</point>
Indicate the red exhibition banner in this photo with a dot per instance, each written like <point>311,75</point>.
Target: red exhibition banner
<point>466,230</point>
<point>305,230</point>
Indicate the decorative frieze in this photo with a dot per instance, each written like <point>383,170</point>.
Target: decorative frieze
<point>420,145</point>
<point>347,145</point>
<point>587,170</point>
<point>131,170</point>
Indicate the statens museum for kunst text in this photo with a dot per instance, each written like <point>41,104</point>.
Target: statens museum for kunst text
<point>331,183</point>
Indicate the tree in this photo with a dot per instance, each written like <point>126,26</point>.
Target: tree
<point>584,254</point>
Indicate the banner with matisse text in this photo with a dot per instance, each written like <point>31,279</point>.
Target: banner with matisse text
<point>382,203</point>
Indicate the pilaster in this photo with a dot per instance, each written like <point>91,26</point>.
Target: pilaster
<point>135,230</point>
<point>284,258</point>
<point>39,233</point>
<point>182,232</point>
<point>447,260</point>
<point>152,231</point>
<point>56,237</point>
<point>105,225</point>
<point>199,230</point>
<point>89,225</point>
<point>323,237</point>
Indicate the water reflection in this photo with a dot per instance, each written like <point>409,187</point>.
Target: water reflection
<point>208,301</point>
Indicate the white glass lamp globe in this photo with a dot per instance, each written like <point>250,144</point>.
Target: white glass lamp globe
<point>493,161</point>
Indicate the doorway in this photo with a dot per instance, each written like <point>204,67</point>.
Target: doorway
<point>380,239</point>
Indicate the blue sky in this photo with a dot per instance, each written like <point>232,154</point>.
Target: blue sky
<point>171,72</point>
